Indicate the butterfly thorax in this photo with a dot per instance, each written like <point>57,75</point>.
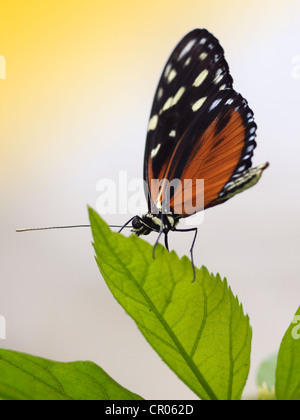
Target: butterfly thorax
<point>154,222</point>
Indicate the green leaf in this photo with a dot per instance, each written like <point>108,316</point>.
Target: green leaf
<point>198,328</point>
<point>287,383</point>
<point>266,378</point>
<point>25,377</point>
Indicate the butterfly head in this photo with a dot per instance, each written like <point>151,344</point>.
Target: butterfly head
<point>140,226</point>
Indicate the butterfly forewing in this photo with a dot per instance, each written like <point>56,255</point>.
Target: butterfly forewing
<point>199,127</point>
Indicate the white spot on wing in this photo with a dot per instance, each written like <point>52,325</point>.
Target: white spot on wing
<point>247,157</point>
<point>214,104</point>
<point>197,105</point>
<point>172,75</point>
<point>203,56</point>
<point>167,104</point>
<point>155,151</point>
<point>186,49</point>
<point>172,133</point>
<point>160,93</point>
<point>241,168</point>
<point>153,122</point>
<point>203,41</point>
<point>217,58</point>
<point>219,76</point>
<point>187,62</point>
<point>250,148</point>
<point>167,71</point>
<point>178,95</point>
<point>200,79</point>
<point>173,100</point>
<point>229,101</point>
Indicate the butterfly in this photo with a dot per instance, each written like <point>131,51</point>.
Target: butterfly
<point>200,128</point>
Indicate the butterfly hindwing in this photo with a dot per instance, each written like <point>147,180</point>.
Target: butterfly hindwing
<point>217,149</point>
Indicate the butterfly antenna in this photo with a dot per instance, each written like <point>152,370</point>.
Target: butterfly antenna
<point>64,227</point>
<point>125,226</point>
<point>51,228</point>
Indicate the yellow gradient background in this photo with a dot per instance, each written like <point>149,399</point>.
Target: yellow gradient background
<point>80,78</point>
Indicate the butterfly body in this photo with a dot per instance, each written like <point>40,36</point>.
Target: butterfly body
<point>154,222</point>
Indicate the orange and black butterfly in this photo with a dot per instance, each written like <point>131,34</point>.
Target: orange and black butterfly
<point>199,128</point>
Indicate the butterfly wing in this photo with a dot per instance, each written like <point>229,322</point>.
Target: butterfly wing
<point>199,127</point>
<point>217,148</point>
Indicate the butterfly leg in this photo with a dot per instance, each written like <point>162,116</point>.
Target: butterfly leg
<point>160,233</point>
<point>192,247</point>
<point>157,240</point>
<point>166,242</point>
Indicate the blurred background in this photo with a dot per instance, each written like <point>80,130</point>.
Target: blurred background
<point>74,106</point>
